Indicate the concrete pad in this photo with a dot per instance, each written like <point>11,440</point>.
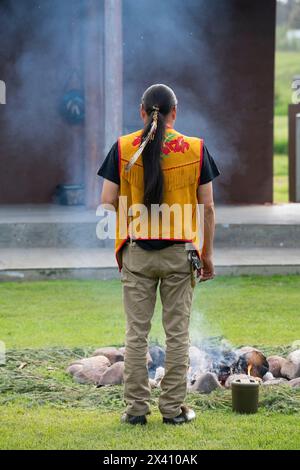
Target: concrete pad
<point>230,214</point>
<point>275,214</point>
<point>52,263</point>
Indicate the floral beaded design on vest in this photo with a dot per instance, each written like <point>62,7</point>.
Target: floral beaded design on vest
<point>173,143</point>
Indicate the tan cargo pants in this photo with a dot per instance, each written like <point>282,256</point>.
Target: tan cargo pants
<point>142,272</point>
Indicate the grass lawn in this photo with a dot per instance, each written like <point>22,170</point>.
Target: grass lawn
<point>281,135</point>
<point>281,178</point>
<point>42,408</point>
<point>286,67</point>
<point>260,310</point>
<point>281,170</point>
<point>50,428</point>
<point>281,159</point>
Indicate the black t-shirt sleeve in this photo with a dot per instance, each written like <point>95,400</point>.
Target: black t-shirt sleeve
<point>209,170</point>
<point>110,167</point>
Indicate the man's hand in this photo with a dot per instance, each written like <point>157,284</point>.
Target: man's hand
<point>205,197</point>
<point>207,270</point>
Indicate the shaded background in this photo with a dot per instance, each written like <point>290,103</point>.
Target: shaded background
<point>218,57</point>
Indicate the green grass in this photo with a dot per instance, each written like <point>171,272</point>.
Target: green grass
<point>287,65</point>
<point>280,159</point>
<point>89,313</point>
<point>42,314</point>
<point>43,382</point>
<point>50,428</point>
<point>281,178</point>
<point>43,409</point>
<point>281,135</point>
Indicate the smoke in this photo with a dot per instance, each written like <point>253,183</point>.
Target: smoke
<point>40,59</point>
<point>44,41</point>
<point>209,351</point>
<point>38,71</point>
<point>199,327</point>
<point>163,42</point>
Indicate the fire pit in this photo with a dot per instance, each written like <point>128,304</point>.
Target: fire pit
<point>214,364</point>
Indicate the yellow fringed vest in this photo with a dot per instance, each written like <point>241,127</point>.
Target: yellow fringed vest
<point>181,165</point>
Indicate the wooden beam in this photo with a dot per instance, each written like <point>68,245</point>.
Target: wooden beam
<point>294,109</point>
<point>113,82</point>
<point>94,100</point>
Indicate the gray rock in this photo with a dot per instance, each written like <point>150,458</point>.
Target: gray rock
<point>290,370</point>
<point>98,363</point>
<point>152,383</point>
<point>159,375</point>
<point>268,376</point>
<point>205,383</point>
<point>245,350</point>
<point>157,355</point>
<point>295,383</point>
<point>294,357</point>
<point>88,370</point>
<point>233,377</point>
<point>280,381</point>
<point>74,368</point>
<point>149,360</point>
<point>88,376</point>
<point>290,367</point>
<point>114,375</point>
<point>113,354</point>
<point>275,365</point>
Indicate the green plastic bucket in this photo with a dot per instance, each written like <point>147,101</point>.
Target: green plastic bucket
<point>245,393</point>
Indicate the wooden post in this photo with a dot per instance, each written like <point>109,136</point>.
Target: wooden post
<point>298,157</point>
<point>294,109</point>
<point>113,82</point>
<point>75,169</point>
<point>94,102</point>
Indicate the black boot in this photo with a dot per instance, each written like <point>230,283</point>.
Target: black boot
<point>126,418</point>
<point>186,415</point>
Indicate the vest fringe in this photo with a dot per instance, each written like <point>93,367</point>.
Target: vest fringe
<point>175,178</point>
<point>134,176</point>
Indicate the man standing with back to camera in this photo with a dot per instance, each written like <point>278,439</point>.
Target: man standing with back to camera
<point>150,167</point>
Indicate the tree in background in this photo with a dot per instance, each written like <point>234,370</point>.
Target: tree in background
<point>294,16</point>
<point>288,17</point>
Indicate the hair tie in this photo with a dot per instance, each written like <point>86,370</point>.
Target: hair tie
<point>154,121</point>
<point>150,136</point>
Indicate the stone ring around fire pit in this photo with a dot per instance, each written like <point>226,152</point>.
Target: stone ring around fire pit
<point>211,367</point>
